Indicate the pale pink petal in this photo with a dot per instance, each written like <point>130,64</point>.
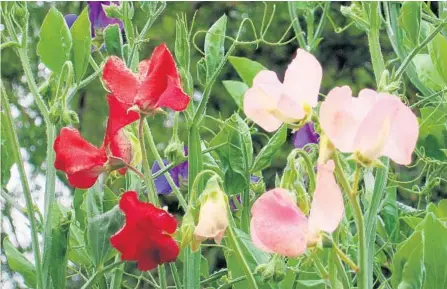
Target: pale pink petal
<point>262,99</point>
<point>327,207</point>
<point>302,79</point>
<point>278,225</point>
<point>213,219</point>
<point>403,135</point>
<point>289,111</point>
<point>338,119</point>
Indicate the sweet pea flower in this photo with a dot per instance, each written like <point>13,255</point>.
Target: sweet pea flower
<point>213,216</point>
<point>371,125</point>
<point>82,162</point>
<point>156,85</point>
<point>98,18</point>
<point>146,235</point>
<point>269,103</point>
<point>178,173</point>
<point>279,226</point>
<point>305,135</point>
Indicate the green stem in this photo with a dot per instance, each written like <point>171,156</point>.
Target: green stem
<point>296,25</point>
<point>320,26</point>
<point>12,137</point>
<point>345,258</point>
<point>231,282</point>
<point>157,156</point>
<point>373,39</point>
<point>215,276</point>
<point>234,245</point>
<point>152,194</point>
<point>92,281</point>
<point>162,277</point>
<point>117,276</point>
<point>175,276</point>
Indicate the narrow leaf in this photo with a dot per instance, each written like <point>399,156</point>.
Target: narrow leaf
<point>214,45</point>
<point>18,263</point>
<point>265,156</point>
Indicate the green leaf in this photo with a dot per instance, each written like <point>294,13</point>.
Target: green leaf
<point>410,22</point>
<point>215,46</point>
<point>427,72</point>
<point>7,157</point>
<point>435,253</point>
<point>110,199</point>
<point>94,202</point>
<point>80,207</point>
<point>236,155</point>
<point>204,267</point>
<point>440,210</point>
<point>201,71</point>
<point>433,131</point>
<point>236,89</point>
<point>82,43</point>
<point>77,251</point>
<point>113,41</point>
<point>408,263</point>
<point>18,263</point>
<point>265,156</point>
<point>438,53</point>
<point>55,41</point>
<point>413,222</point>
<point>390,214</point>
<point>100,228</point>
<point>60,230</point>
<point>246,68</point>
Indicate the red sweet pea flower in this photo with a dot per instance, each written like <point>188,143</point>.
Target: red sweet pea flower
<point>156,85</point>
<point>145,236</point>
<point>83,162</point>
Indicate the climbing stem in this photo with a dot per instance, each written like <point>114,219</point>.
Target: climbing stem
<point>152,194</point>
<point>14,142</point>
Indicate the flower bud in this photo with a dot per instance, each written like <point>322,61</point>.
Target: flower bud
<point>69,117</point>
<point>213,218</point>
<point>274,270</point>
<point>113,11</point>
<point>355,13</point>
<point>175,150</point>
<point>20,15</point>
<point>187,228</point>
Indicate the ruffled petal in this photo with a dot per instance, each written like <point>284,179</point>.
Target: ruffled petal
<point>327,207</point>
<point>119,116</point>
<point>303,79</point>
<point>305,135</point>
<point>121,147</point>
<point>338,119</point>
<point>160,82</point>
<point>122,82</point>
<point>144,237</point>
<point>262,99</point>
<point>78,158</point>
<point>278,224</point>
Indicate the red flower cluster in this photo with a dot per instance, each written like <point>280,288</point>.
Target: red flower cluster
<point>156,85</point>
<point>145,236</point>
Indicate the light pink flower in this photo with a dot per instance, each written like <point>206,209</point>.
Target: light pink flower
<point>371,125</point>
<point>213,218</point>
<point>279,226</point>
<point>269,103</point>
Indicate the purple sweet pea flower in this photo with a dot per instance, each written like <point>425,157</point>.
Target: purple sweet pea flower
<point>179,174</point>
<point>70,19</point>
<point>305,135</point>
<point>98,17</point>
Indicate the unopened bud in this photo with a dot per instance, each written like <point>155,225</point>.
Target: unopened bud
<point>69,117</point>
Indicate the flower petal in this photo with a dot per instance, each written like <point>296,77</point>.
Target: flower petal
<point>327,207</point>
<point>338,119</point>
<point>213,219</point>
<point>161,183</point>
<point>262,99</point>
<point>119,117</point>
<point>303,79</point>
<point>121,147</point>
<point>160,82</point>
<point>122,82</point>
<point>305,135</point>
<point>278,224</point>
<point>75,156</point>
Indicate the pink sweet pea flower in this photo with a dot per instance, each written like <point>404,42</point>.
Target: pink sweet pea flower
<point>279,226</point>
<point>370,125</point>
<point>269,103</point>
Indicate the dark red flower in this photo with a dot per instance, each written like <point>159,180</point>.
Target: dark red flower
<point>145,237</point>
<point>83,162</point>
<point>156,85</point>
